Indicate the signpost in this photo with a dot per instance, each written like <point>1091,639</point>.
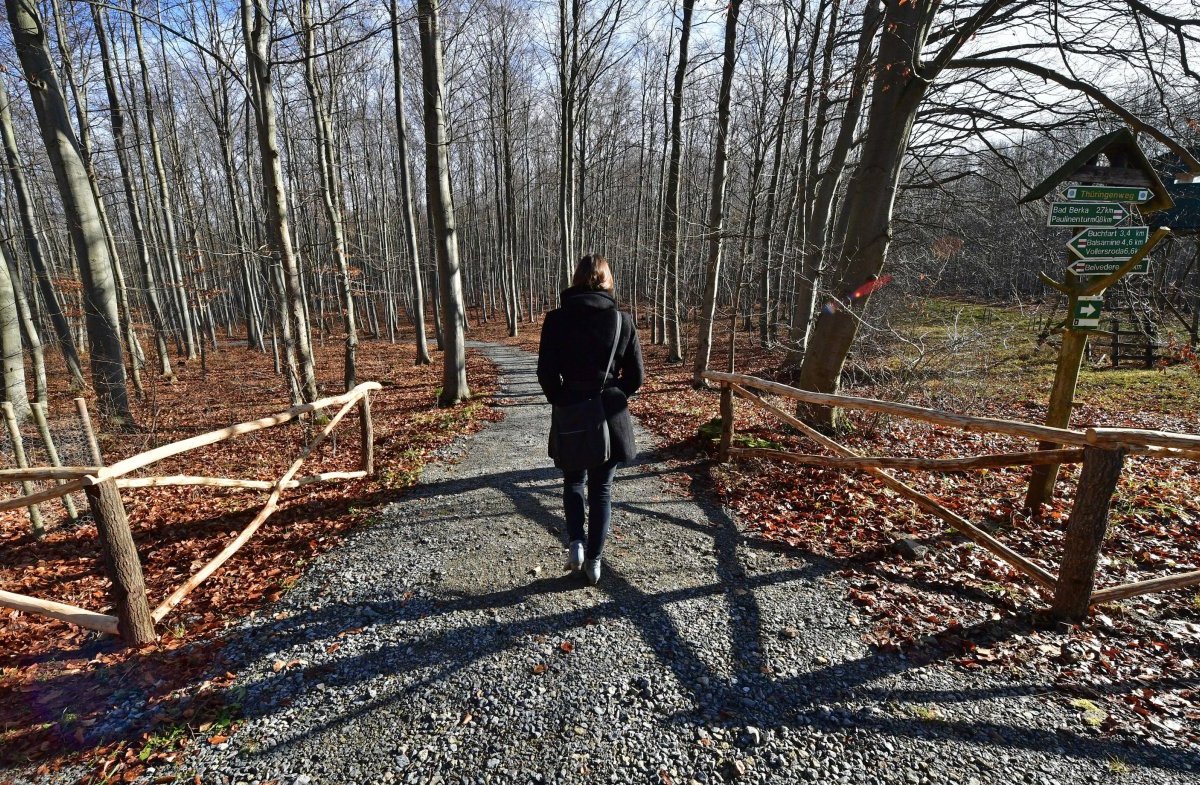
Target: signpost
<point>1119,243</point>
<point>1103,250</point>
<point>1073,214</point>
<point>1105,193</point>
<point>1086,314</point>
<point>1086,267</point>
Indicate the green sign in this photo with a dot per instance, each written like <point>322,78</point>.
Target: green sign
<point>1107,193</point>
<point>1086,313</point>
<point>1086,214</point>
<point>1106,266</point>
<point>1120,243</point>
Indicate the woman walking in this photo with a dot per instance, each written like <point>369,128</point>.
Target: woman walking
<point>590,348</point>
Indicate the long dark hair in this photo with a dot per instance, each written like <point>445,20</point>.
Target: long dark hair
<point>593,273</point>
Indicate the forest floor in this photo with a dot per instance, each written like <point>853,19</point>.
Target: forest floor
<point>72,697</point>
<point>1124,679</point>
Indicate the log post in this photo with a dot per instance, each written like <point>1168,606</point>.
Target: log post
<point>367,430</point>
<point>1116,343</point>
<point>85,422</point>
<point>14,432</point>
<point>726,422</point>
<point>1086,529</point>
<point>121,563</point>
<point>1062,400</point>
<point>43,426</point>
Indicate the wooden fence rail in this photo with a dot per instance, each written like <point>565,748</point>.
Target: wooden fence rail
<point>134,621</point>
<point>1100,450</point>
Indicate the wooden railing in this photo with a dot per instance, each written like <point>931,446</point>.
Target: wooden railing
<point>134,621</point>
<point>1102,452</point>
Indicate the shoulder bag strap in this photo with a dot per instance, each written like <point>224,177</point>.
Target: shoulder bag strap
<point>613,353</point>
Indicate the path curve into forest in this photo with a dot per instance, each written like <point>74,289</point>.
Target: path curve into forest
<point>444,643</point>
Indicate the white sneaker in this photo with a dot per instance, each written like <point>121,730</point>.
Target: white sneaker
<point>591,569</point>
<point>575,555</point>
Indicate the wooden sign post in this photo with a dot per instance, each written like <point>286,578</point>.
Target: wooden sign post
<point>1098,256</point>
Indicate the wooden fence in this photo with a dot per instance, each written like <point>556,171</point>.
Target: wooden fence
<point>134,621</point>
<point>1102,452</point>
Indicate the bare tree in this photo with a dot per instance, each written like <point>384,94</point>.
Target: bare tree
<point>293,322</point>
<point>716,208</point>
<point>79,204</point>
<point>441,209</point>
<point>33,245</point>
<point>669,245</point>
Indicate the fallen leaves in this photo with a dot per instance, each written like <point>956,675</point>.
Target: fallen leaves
<point>178,529</point>
<point>960,603</point>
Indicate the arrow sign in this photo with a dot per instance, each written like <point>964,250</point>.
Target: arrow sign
<point>1107,193</point>
<point>1120,243</point>
<point>1086,312</point>
<point>1105,266</point>
<point>1073,214</point>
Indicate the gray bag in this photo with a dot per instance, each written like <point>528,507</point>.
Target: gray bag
<point>579,432</point>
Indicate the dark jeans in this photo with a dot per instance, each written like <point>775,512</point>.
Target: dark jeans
<point>599,505</point>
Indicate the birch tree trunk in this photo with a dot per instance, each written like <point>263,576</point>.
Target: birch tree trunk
<point>441,209</point>
<point>79,205</point>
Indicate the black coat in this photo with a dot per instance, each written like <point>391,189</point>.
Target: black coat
<point>576,340</point>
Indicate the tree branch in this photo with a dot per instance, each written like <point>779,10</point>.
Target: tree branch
<point>1091,91</point>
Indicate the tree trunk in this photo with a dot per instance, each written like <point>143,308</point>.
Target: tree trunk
<point>404,178</point>
<point>817,222</point>
<point>669,244</point>
<point>1086,529</point>
<point>256,31</point>
<point>716,209</point>
<point>79,204</point>
<point>166,203</point>
<point>117,117</point>
<point>41,270</point>
<point>330,194</point>
<point>896,95</point>
<point>441,209</point>
<point>12,358</point>
<point>29,327</point>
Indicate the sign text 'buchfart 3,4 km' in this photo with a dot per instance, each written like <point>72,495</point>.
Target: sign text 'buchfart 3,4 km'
<point>1117,243</point>
<point>1107,193</point>
<point>1072,214</point>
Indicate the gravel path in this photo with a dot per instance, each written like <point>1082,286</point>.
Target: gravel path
<point>445,644</point>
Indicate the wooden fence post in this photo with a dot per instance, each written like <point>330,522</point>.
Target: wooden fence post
<point>1086,529</point>
<point>14,432</point>
<point>85,422</point>
<point>122,564</point>
<point>726,422</point>
<point>367,434</point>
